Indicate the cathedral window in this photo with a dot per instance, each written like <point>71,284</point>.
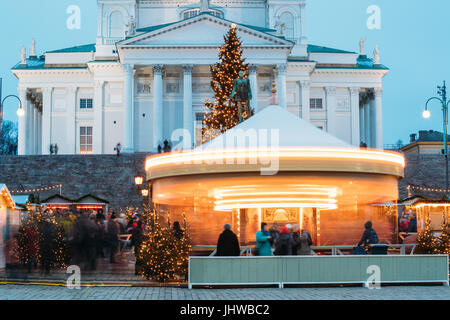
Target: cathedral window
<point>85,140</point>
<point>285,25</point>
<point>316,104</point>
<point>86,103</point>
<point>116,25</point>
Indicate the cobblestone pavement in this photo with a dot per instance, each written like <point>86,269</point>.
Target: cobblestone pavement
<point>34,292</point>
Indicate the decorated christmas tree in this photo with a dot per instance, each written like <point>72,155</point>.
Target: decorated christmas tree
<point>41,241</point>
<point>444,240</point>
<point>426,241</point>
<point>163,255</point>
<point>223,114</point>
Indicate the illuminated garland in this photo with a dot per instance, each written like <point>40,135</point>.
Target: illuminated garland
<point>58,186</point>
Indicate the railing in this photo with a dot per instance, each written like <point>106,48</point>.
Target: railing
<point>393,249</point>
<point>311,270</point>
<point>111,41</point>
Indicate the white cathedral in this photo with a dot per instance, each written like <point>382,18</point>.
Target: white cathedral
<point>148,74</point>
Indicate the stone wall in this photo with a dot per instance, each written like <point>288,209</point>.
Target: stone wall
<point>423,170</point>
<point>111,177</point>
<point>106,176</point>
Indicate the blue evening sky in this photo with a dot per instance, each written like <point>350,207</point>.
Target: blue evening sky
<point>414,43</point>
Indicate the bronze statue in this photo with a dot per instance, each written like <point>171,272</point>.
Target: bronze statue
<point>242,94</point>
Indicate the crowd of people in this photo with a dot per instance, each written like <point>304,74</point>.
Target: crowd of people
<point>89,235</point>
<point>407,222</point>
<point>289,240</point>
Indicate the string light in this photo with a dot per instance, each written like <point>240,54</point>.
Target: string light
<point>47,188</point>
<point>428,189</point>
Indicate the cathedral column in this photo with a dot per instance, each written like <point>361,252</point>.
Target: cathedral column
<point>98,118</point>
<point>39,133</point>
<point>378,118</point>
<point>306,104</point>
<point>46,119</point>
<point>29,125</point>
<point>35,129</point>
<point>188,122</point>
<point>157,106</point>
<point>71,119</point>
<point>127,145</point>
<point>303,23</point>
<point>354,106</point>
<point>362,129</point>
<point>252,69</point>
<point>331,109</point>
<point>22,135</point>
<point>281,69</point>
<point>367,124</point>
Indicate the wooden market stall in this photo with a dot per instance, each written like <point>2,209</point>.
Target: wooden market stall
<point>87,202</point>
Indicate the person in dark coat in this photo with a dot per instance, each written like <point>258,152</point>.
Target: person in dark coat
<point>274,233</point>
<point>167,147</point>
<point>369,236</point>
<point>137,237</point>
<point>46,245</point>
<point>113,237</point>
<point>228,244</point>
<point>412,228</point>
<point>177,231</point>
<point>285,243</point>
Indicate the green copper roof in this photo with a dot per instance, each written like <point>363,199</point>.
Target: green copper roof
<point>37,63</point>
<point>320,49</point>
<point>153,28</point>
<point>82,48</point>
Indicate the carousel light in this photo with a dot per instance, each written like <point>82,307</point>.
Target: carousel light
<point>227,155</point>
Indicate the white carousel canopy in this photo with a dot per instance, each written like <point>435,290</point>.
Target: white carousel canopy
<point>292,130</point>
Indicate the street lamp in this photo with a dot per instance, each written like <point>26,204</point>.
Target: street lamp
<point>144,192</point>
<point>442,92</point>
<point>20,110</point>
<point>138,180</point>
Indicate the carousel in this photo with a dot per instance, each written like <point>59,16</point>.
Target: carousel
<point>279,169</point>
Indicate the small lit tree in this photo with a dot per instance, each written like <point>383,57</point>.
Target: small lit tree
<point>426,241</point>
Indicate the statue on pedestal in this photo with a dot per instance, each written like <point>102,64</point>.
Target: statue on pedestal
<point>23,56</point>
<point>376,55</point>
<point>131,27</point>
<point>362,47</point>
<point>242,94</point>
<point>33,48</point>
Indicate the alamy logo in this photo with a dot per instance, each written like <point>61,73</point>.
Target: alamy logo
<point>74,19</point>
<point>374,20</point>
<point>74,280</point>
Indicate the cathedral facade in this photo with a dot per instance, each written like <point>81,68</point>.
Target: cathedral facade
<point>147,75</point>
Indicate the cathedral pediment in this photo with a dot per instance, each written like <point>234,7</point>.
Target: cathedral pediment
<point>200,31</point>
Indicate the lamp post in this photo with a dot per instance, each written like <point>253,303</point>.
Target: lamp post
<point>20,111</point>
<point>442,92</point>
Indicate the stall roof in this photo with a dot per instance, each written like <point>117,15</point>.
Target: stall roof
<point>91,199</point>
<point>86,200</point>
<point>5,192</point>
<point>414,200</point>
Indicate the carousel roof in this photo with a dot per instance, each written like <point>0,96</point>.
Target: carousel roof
<point>293,132</point>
